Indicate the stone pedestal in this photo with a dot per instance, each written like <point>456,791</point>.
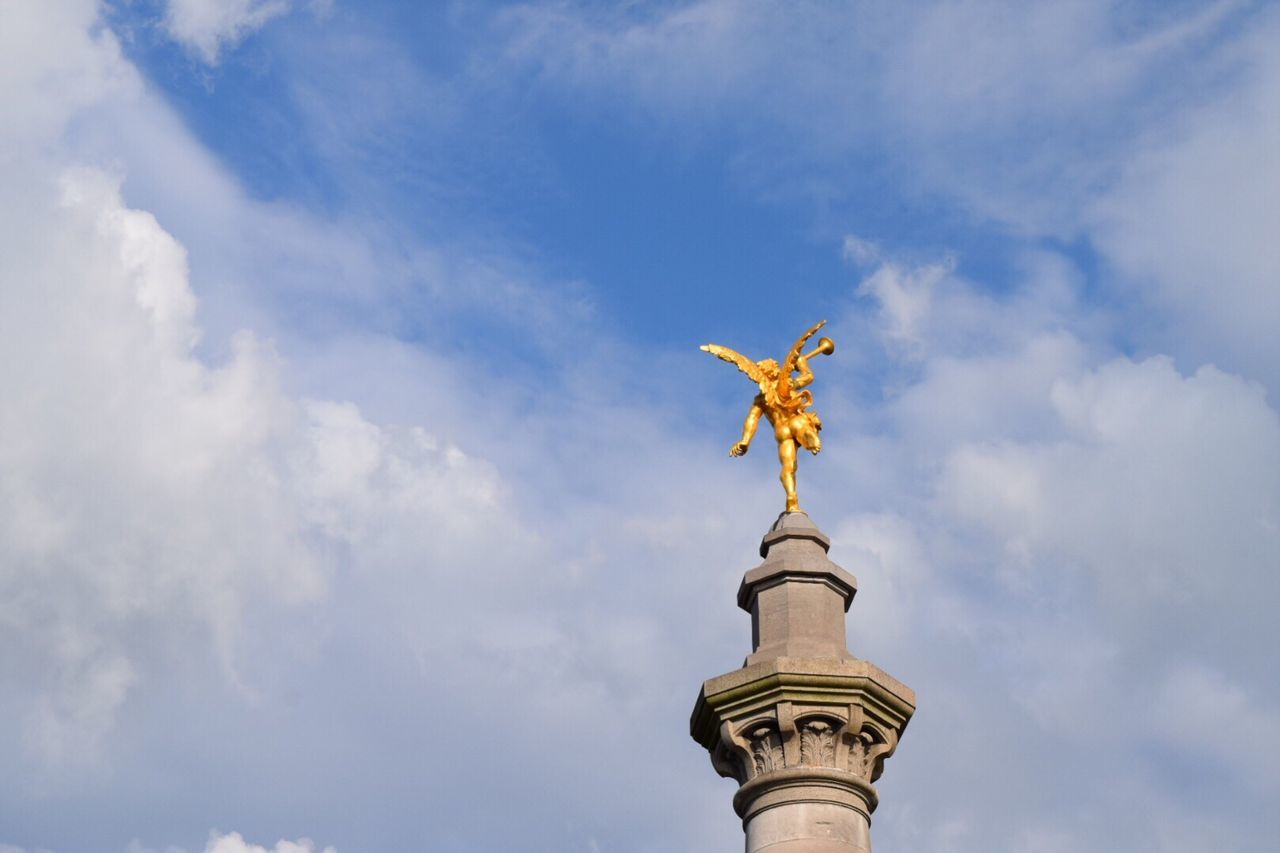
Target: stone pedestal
<point>804,726</point>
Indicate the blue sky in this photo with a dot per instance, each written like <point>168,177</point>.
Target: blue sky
<point>362,486</point>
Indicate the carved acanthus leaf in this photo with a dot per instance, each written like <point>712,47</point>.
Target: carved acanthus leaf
<point>817,744</point>
<point>766,750</point>
<point>868,750</point>
<point>858,757</point>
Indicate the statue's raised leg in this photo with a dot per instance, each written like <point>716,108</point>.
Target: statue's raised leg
<point>805,428</point>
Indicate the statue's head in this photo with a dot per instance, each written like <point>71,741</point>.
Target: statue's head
<point>769,367</point>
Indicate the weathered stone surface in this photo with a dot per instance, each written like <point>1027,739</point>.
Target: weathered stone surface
<point>797,597</point>
<point>804,726</point>
<point>802,712</point>
<point>809,826</point>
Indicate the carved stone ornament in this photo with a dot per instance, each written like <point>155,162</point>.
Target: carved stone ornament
<point>817,744</point>
<point>867,751</point>
<point>766,750</point>
<point>764,746</point>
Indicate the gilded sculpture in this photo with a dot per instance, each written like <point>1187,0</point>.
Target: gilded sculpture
<point>784,402</point>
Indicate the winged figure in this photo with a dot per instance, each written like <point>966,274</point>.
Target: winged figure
<point>783,401</point>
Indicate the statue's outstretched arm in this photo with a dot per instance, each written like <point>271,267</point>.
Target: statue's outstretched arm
<point>748,430</point>
<point>805,376</point>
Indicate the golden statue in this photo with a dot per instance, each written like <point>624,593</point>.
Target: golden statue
<point>782,403</point>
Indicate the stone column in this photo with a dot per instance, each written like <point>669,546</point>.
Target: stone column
<point>804,726</point>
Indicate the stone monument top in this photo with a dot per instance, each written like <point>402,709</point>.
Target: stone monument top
<point>804,726</point>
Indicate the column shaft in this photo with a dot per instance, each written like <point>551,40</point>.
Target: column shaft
<point>808,827</point>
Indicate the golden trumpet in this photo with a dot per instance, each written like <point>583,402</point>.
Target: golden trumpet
<point>825,346</point>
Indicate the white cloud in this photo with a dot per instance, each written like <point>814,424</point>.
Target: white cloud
<point>143,488</point>
<point>234,843</point>
<point>905,296</point>
<point>887,548</point>
<point>52,63</point>
<point>187,544</point>
<point>209,26</point>
<point>1148,450</point>
<point>1082,526</point>
<point>1202,715</point>
<point>859,250</point>
<point>1192,220</point>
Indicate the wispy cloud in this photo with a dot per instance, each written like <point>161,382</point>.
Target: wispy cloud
<point>208,27</point>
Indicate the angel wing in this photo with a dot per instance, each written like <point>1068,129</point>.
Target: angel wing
<point>784,375</point>
<point>744,364</point>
